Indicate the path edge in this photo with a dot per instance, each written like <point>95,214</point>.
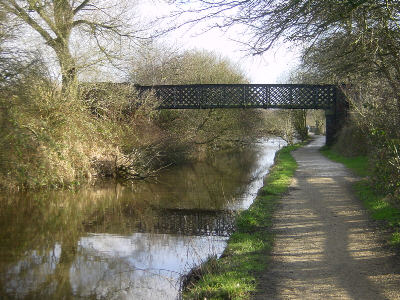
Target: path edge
<point>236,274</point>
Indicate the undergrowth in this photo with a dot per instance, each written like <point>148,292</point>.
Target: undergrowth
<point>46,140</point>
<point>50,140</point>
<point>234,275</point>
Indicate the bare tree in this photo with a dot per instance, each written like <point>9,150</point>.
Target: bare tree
<point>57,21</point>
<point>267,22</point>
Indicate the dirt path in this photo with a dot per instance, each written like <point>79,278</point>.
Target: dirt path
<point>325,244</point>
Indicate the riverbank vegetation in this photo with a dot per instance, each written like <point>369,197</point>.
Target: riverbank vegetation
<point>233,276</point>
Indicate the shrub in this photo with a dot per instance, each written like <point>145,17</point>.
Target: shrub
<point>350,134</point>
<point>45,140</point>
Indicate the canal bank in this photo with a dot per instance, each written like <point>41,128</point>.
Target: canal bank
<point>309,239</point>
<point>236,274</point>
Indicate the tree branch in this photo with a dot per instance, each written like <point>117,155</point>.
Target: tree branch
<point>95,25</point>
<point>43,15</point>
<point>21,13</point>
<point>81,6</point>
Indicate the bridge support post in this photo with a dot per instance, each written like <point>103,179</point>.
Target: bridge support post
<point>336,116</point>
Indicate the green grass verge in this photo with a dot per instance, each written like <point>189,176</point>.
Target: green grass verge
<point>358,164</point>
<point>377,204</point>
<point>234,275</point>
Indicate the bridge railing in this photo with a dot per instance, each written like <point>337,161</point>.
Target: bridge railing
<point>203,96</point>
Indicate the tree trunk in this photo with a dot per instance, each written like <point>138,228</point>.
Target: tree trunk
<point>68,72</point>
<point>63,21</point>
<point>299,119</point>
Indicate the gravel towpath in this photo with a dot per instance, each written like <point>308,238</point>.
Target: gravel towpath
<point>326,246</point>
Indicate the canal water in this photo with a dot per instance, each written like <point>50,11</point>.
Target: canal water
<point>126,242</point>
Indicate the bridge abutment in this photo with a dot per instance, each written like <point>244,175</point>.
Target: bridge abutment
<point>336,116</point>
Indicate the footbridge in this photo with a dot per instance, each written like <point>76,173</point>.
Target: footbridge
<point>272,96</point>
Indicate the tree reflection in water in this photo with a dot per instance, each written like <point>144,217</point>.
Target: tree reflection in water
<point>120,242</point>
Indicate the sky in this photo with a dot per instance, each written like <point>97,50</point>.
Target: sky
<point>271,67</point>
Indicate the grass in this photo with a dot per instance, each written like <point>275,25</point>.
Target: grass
<point>377,204</point>
<point>358,164</point>
<point>234,275</point>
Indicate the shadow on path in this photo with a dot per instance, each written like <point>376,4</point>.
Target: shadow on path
<point>325,244</point>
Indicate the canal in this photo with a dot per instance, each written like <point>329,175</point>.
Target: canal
<point>132,241</point>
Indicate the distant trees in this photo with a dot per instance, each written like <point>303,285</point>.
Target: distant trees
<point>163,65</point>
<point>299,121</point>
<point>197,129</point>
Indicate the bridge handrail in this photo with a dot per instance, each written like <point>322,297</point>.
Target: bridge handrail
<point>203,96</point>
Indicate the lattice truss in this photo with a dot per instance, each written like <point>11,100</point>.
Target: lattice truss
<point>244,95</point>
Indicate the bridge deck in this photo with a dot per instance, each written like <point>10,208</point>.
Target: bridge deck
<point>202,96</point>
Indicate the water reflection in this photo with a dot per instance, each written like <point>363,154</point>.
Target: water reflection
<point>120,242</point>
<point>137,265</point>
